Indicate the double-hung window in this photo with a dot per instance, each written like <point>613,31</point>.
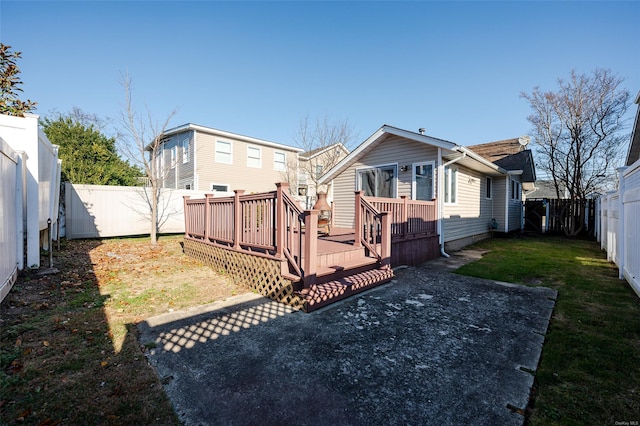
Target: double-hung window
<point>279,161</point>
<point>254,157</point>
<point>223,152</point>
<point>450,185</point>
<point>185,151</point>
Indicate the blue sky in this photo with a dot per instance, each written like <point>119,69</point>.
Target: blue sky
<point>257,68</point>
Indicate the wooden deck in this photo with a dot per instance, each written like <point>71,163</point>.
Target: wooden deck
<point>297,264</point>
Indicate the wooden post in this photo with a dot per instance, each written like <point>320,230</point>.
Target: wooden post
<point>310,256</point>
<point>404,215</point>
<point>207,216</point>
<point>237,219</point>
<point>281,218</point>
<point>385,241</point>
<point>358,221</point>
<point>186,218</point>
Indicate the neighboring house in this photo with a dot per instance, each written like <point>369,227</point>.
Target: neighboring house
<point>312,165</point>
<point>545,189</point>
<point>207,159</point>
<point>634,146</point>
<point>472,192</point>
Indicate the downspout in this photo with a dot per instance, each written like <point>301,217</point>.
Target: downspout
<point>441,199</point>
<point>506,204</point>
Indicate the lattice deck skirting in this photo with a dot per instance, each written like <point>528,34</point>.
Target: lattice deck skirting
<point>259,273</point>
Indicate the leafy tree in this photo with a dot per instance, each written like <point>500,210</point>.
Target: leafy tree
<point>579,132</point>
<point>10,104</point>
<point>88,156</point>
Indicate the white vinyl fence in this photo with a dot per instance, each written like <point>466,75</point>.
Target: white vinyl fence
<point>620,225</point>
<point>97,211</point>
<point>12,172</point>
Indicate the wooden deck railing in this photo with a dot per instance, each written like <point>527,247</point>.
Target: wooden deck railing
<point>267,224</point>
<point>373,230</point>
<point>409,218</point>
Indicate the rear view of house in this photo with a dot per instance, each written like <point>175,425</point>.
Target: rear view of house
<point>475,195</point>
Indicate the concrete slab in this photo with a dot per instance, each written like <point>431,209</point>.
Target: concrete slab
<point>429,348</point>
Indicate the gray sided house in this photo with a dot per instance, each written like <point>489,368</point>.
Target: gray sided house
<point>475,196</point>
<point>207,159</point>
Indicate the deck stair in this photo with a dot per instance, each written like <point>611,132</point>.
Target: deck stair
<point>343,270</point>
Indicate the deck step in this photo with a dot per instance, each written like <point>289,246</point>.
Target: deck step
<point>319,295</point>
<point>348,267</point>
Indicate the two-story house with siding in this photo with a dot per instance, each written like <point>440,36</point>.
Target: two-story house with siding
<point>207,159</point>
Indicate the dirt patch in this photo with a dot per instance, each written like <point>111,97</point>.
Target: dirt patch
<point>69,350</point>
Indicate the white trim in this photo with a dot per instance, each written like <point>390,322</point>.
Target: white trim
<point>379,166</point>
<point>228,135</point>
<point>457,172</point>
<point>230,151</point>
<point>219,184</point>
<point>259,158</point>
<point>186,158</point>
<point>196,180</point>
<point>488,179</point>
<point>375,137</point>
<point>284,162</point>
<point>413,177</point>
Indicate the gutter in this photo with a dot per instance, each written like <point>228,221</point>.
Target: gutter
<point>440,199</point>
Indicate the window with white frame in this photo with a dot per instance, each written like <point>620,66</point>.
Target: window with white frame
<point>219,187</point>
<point>254,157</point>
<point>378,181</point>
<point>223,152</point>
<point>450,185</point>
<point>319,168</point>
<point>488,189</point>
<point>185,151</point>
<point>515,190</point>
<point>279,161</point>
<point>422,182</point>
<point>174,155</point>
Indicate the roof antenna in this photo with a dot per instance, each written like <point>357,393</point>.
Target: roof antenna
<point>422,130</point>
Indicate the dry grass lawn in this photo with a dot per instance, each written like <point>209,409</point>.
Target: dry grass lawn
<point>69,352</point>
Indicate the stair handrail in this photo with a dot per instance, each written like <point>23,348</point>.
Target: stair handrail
<point>373,228</point>
<point>289,226</point>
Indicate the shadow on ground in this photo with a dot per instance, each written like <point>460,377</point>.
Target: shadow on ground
<point>430,347</point>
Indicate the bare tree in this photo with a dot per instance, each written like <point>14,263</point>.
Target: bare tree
<point>145,138</point>
<point>325,142</point>
<point>578,131</point>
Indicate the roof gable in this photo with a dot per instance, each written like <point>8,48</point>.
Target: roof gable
<point>377,137</point>
<point>509,154</point>
<point>634,145</point>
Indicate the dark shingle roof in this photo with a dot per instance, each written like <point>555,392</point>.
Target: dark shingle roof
<point>510,155</point>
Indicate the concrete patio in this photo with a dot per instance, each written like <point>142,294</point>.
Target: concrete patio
<point>431,347</point>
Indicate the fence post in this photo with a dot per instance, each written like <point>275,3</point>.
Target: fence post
<point>186,214</point>
<point>237,219</point>
<point>620,238</point>
<point>207,216</point>
<point>385,241</point>
<point>281,218</point>
<point>310,255</point>
<point>358,220</point>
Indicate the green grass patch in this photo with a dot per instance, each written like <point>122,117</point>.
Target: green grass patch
<point>589,370</point>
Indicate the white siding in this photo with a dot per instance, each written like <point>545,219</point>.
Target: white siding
<point>391,150</point>
<point>473,212</point>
